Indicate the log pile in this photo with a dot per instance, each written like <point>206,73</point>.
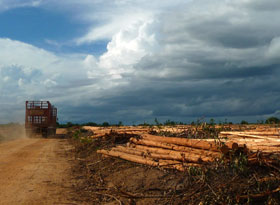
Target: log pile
<point>265,141</point>
<point>180,153</point>
<point>178,130</point>
<point>99,132</point>
<point>167,152</point>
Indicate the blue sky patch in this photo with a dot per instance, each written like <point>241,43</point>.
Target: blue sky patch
<point>96,48</point>
<point>46,29</point>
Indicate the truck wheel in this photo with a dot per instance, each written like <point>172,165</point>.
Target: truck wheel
<point>44,133</point>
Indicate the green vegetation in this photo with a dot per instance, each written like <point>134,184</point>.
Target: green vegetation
<point>243,122</point>
<point>272,120</point>
<point>82,135</point>
<point>120,124</point>
<point>105,124</point>
<point>211,122</point>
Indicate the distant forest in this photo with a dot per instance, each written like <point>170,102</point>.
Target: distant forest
<point>270,120</point>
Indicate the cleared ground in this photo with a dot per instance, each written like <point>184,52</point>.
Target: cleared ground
<point>70,171</point>
<point>35,171</point>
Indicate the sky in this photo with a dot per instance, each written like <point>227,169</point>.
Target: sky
<point>137,60</point>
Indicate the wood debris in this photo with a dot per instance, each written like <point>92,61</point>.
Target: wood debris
<point>180,153</point>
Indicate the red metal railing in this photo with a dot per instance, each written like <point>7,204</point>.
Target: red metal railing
<point>40,114</point>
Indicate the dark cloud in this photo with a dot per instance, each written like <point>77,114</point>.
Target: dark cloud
<point>263,6</point>
<point>217,59</point>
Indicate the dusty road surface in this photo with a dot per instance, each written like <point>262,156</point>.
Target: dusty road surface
<point>35,171</point>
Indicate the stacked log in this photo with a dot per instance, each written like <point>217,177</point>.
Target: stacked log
<point>267,141</point>
<point>178,130</point>
<point>167,152</point>
<point>180,153</point>
<point>99,132</point>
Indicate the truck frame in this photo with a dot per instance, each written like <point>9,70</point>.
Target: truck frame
<point>40,118</point>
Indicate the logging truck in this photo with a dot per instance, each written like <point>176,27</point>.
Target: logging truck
<point>40,118</point>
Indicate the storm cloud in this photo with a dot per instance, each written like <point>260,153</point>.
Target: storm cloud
<point>179,60</point>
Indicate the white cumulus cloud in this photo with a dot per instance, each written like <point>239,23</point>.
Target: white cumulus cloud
<point>181,59</point>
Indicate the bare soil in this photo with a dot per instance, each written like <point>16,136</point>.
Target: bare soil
<point>11,132</point>
<point>69,171</point>
<point>35,171</point>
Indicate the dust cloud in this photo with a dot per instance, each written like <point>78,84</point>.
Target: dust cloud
<point>11,131</point>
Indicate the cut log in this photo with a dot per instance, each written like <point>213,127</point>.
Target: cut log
<point>172,164</point>
<point>250,140</point>
<point>203,154</point>
<point>199,153</point>
<point>263,133</point>
<point>129,157</point>
<point>195,143</point>
<point>157,153</point>
<point>244,135</point>
<point>128,150</point>
<point>148,161</point>
<point>173,147</point>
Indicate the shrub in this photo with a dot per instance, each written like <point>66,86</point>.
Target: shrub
<point>243,122</point>
<point>272,120</point>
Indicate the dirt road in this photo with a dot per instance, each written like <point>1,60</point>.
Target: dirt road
<point>35,171</point>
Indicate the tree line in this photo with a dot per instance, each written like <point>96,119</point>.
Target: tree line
<point>270,120</point>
